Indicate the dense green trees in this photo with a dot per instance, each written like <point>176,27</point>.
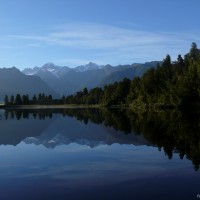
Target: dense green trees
<point>25,100</point>
<point>174,83</point>
<point>114,94</point>
<point>18,99</point>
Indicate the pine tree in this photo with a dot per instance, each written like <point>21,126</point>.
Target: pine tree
<point>18,99</point>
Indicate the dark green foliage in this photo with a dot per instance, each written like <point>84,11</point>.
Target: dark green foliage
<point>18,99</point>
<point>113,94</point>
<point>94,96</point>
<point>174,84</point>
<point>25,99</point>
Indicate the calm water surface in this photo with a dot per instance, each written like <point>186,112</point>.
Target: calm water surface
<point>98,154</point>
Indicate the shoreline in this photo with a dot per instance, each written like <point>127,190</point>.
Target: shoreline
<point>61,106</point>
<point>156,107</point>
<point>74,106</point>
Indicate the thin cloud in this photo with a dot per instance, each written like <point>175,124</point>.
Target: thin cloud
<point>109,41</point>
<point>103,37</point>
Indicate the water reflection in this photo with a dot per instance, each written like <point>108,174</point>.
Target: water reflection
<point>98,154</point>
<point>55,127</point>
<point>171,131</point>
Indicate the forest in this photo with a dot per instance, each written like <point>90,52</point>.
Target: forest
<point>169,85</point>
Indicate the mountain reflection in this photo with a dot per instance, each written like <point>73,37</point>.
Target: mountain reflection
<point>172,131</point>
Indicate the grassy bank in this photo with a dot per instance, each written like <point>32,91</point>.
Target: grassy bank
<point>48,106</point>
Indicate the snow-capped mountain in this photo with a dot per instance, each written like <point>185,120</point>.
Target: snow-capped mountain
<point>62,140</point>
<point>59,71</point>
<point>48,67</point>
<point>66,80</point>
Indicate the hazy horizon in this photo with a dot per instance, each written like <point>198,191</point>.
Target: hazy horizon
<point>73,67</point>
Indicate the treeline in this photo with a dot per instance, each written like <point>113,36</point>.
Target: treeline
<point>39,99</point>
<point>114,94</point>
<point>170,84</point>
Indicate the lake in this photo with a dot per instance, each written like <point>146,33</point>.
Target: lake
<point>99,154</point>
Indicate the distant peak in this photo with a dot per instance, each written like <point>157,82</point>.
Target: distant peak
<point>49,65</point>
<point>14,68</point>
<point>92,63</point>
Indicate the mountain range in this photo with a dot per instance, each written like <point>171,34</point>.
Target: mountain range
<point>65,80</point>
<point>62,80</point>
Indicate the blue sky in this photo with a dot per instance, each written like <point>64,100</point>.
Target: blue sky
<point>75,32</point>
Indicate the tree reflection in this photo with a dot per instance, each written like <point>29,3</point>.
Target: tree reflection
<point>174,132</point>
<point>40,114</point>
<point>171,131</point>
